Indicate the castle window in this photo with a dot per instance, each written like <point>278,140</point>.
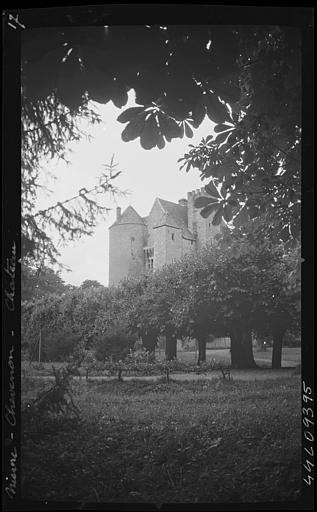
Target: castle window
<point>172,236</point>
<point>149,258</point>
<point>132,243</point>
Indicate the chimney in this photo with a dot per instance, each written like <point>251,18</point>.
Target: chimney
<point>118,213</point>
<point>182,202</point>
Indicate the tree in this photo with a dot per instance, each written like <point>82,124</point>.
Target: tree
<point>40,319</point>
<point>280,310</point>
<point>245,79</point>
<point>152,312</point>
<point>195,313</point>
<point>90,283</point>
<point>47,128</point>
<point>59,345</point>
<point>70,219</point>
<point>239,286</point>
<point>254,159</point>
<point>269,281</point>
<point>113,344</point>
<point>133,303</point>
<point>39,282</point>
<point>73,312</point>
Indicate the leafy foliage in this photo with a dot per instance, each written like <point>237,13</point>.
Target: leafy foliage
<point>58,345</point>
<point>113,344</point>
<point>246,79</point>
<point>176,74</point>
<point>39,282</point>
<point>90,283</point>
<point>255,158</point>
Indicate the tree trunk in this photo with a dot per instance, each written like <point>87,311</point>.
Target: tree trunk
<point>201,350</point>
<point>171,347</point>
<point>149,343</point>
<point>278,335</point>
<point>241,348</point>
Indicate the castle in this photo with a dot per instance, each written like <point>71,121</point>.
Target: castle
<point>144,244</point>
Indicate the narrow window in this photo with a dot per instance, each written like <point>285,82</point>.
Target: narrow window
<point>172,236</point>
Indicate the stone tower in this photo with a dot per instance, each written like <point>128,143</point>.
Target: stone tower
<point>126,242</point>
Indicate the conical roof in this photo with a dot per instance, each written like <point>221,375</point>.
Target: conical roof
<point>129,216</point>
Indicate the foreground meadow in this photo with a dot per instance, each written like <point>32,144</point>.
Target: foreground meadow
<point>204,441</point>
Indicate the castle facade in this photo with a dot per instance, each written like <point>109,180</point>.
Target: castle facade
<point>144,244</point>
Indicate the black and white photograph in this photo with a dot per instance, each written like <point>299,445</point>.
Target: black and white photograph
<point>154,345</point>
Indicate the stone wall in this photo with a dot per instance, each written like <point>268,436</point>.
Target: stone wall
<point>154,218</point>
<point>126,257</point>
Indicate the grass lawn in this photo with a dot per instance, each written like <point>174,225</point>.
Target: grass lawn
<point>290,356</point>
<point>205,441</point>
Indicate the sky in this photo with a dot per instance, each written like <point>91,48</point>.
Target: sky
<point>145,175</point>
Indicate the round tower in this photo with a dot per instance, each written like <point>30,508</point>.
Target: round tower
<point>126,243</point>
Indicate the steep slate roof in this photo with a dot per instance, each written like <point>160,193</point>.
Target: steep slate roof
<point>175,215</point>
<point>129,216</point>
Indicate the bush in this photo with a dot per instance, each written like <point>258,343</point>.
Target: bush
<point>292,339</point>
<point>58,346</point>
<point>115,345</point>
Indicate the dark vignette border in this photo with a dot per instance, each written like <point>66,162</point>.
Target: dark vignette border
<point>129,14</point>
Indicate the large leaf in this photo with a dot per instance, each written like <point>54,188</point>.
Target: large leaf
<point>227,212</point>
<point>241,218</point>
<point>198,113</point>
<point>201,202</point>
<point>212,190</point>
<point>129,114</point>
<point>188,130</point>
<point>223,170</point>
<point>160,141</point>
<point>208,210</point>
<point>216,110</point>
<point>232,202</point>
<point>222,137</point>
<point>217,217</point>
<point>222,128</point>
<point>119,96</point>
<point>169,128</point>
<point>150,135</point>
<point>133,129</point>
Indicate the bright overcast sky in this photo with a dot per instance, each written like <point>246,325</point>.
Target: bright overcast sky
<point>146,174</point>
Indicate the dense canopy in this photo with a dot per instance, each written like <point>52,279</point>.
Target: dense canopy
<point>246,79</point>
